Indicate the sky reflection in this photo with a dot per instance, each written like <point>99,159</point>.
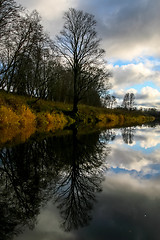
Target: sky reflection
<point>140,158</point>
<point>129,205</point>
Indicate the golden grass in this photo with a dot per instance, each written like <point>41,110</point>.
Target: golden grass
<point>21,116</point>
<point>113,120</point>
<point>51,121</point>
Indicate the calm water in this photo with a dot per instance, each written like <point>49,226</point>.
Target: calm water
<point>104,185</point>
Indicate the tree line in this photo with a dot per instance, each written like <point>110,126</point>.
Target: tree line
<point>69,68</point>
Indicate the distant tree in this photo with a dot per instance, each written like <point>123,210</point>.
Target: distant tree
<point>80,48</point>
<point>113,101</point>
<point>109,101</point>
<point>128,101</point>
<point>128,135</point>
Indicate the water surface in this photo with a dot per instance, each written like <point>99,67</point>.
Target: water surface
<point>102,185</point>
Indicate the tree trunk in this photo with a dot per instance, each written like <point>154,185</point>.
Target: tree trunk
<point>75,104</point>
<point>75,96</point>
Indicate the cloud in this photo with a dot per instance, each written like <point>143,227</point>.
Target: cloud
<point>51,12</point>
<point>151,92</point>
<point>125,77</point>
<point>128,28</point>
<point>135,160</point>
<point>131,74</point>
<point>149,97</point>
<point>149,141</point>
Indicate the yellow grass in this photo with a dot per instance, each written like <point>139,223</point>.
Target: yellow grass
<point>21,116</point>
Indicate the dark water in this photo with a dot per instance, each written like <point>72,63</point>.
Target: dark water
<point>102,185</point>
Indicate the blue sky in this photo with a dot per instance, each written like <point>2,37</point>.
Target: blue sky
<point>130,35</point>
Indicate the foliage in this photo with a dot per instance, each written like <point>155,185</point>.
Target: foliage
<point>23,115</point>
<point>8,117</point>
<point>27,118</point>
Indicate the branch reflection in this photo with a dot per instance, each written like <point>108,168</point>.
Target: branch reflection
<point>128,135</point>
<point>68,169</point>
<point>80,180</point>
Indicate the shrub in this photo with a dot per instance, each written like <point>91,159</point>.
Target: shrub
<point>8,117</point>
<point>27,118</point>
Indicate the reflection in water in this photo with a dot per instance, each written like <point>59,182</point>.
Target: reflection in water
<point>23,179</point>
<point>65,174</point>
<point>127,134</point>
<point>75,191</point>
<point>69,168</point>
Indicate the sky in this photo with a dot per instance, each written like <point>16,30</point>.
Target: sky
<point>130,36</point>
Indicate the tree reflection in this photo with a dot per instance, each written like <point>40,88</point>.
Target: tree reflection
<point>68,168</point>
<point>128,135</point>
<point>79,182</point>
<point>26,178</point>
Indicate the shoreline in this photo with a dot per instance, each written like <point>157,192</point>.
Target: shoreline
<point>23,116</point>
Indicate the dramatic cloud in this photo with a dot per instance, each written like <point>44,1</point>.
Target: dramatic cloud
<point>129,31</point>
<point>128,28</point>
<point>149,97</point>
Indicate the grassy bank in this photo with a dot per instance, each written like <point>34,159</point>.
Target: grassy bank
<point>21,116</point>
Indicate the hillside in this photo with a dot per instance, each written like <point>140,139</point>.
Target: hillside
<point>22,116</point>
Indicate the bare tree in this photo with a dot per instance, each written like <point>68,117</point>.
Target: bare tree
<point>9,10</point>
<point>109,101</point>
<point>128,101</point>
<point>25,53</point>
<point>80,48</point>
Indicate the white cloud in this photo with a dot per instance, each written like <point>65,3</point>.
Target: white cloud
<point>150,140</point>
<point>125,77</point>
<point>132,74</point>
<point>127,160</point>
<point>149,143</point>
<point>150,92</point>
<point>149,97</point>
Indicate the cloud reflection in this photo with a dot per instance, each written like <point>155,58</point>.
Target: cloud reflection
<point>128,207</point>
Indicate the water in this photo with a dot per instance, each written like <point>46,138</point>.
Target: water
<point>101,185</point>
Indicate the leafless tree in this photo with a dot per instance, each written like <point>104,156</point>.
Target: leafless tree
<point>80,50</point>
<point>9,11</point>
<point>128,101</point>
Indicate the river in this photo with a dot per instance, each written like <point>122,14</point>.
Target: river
<point>76,186</point>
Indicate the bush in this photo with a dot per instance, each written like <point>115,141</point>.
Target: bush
<point>27,118</point>
<point>8,117</point>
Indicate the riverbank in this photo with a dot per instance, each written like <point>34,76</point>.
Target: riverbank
<point>22,116</point>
